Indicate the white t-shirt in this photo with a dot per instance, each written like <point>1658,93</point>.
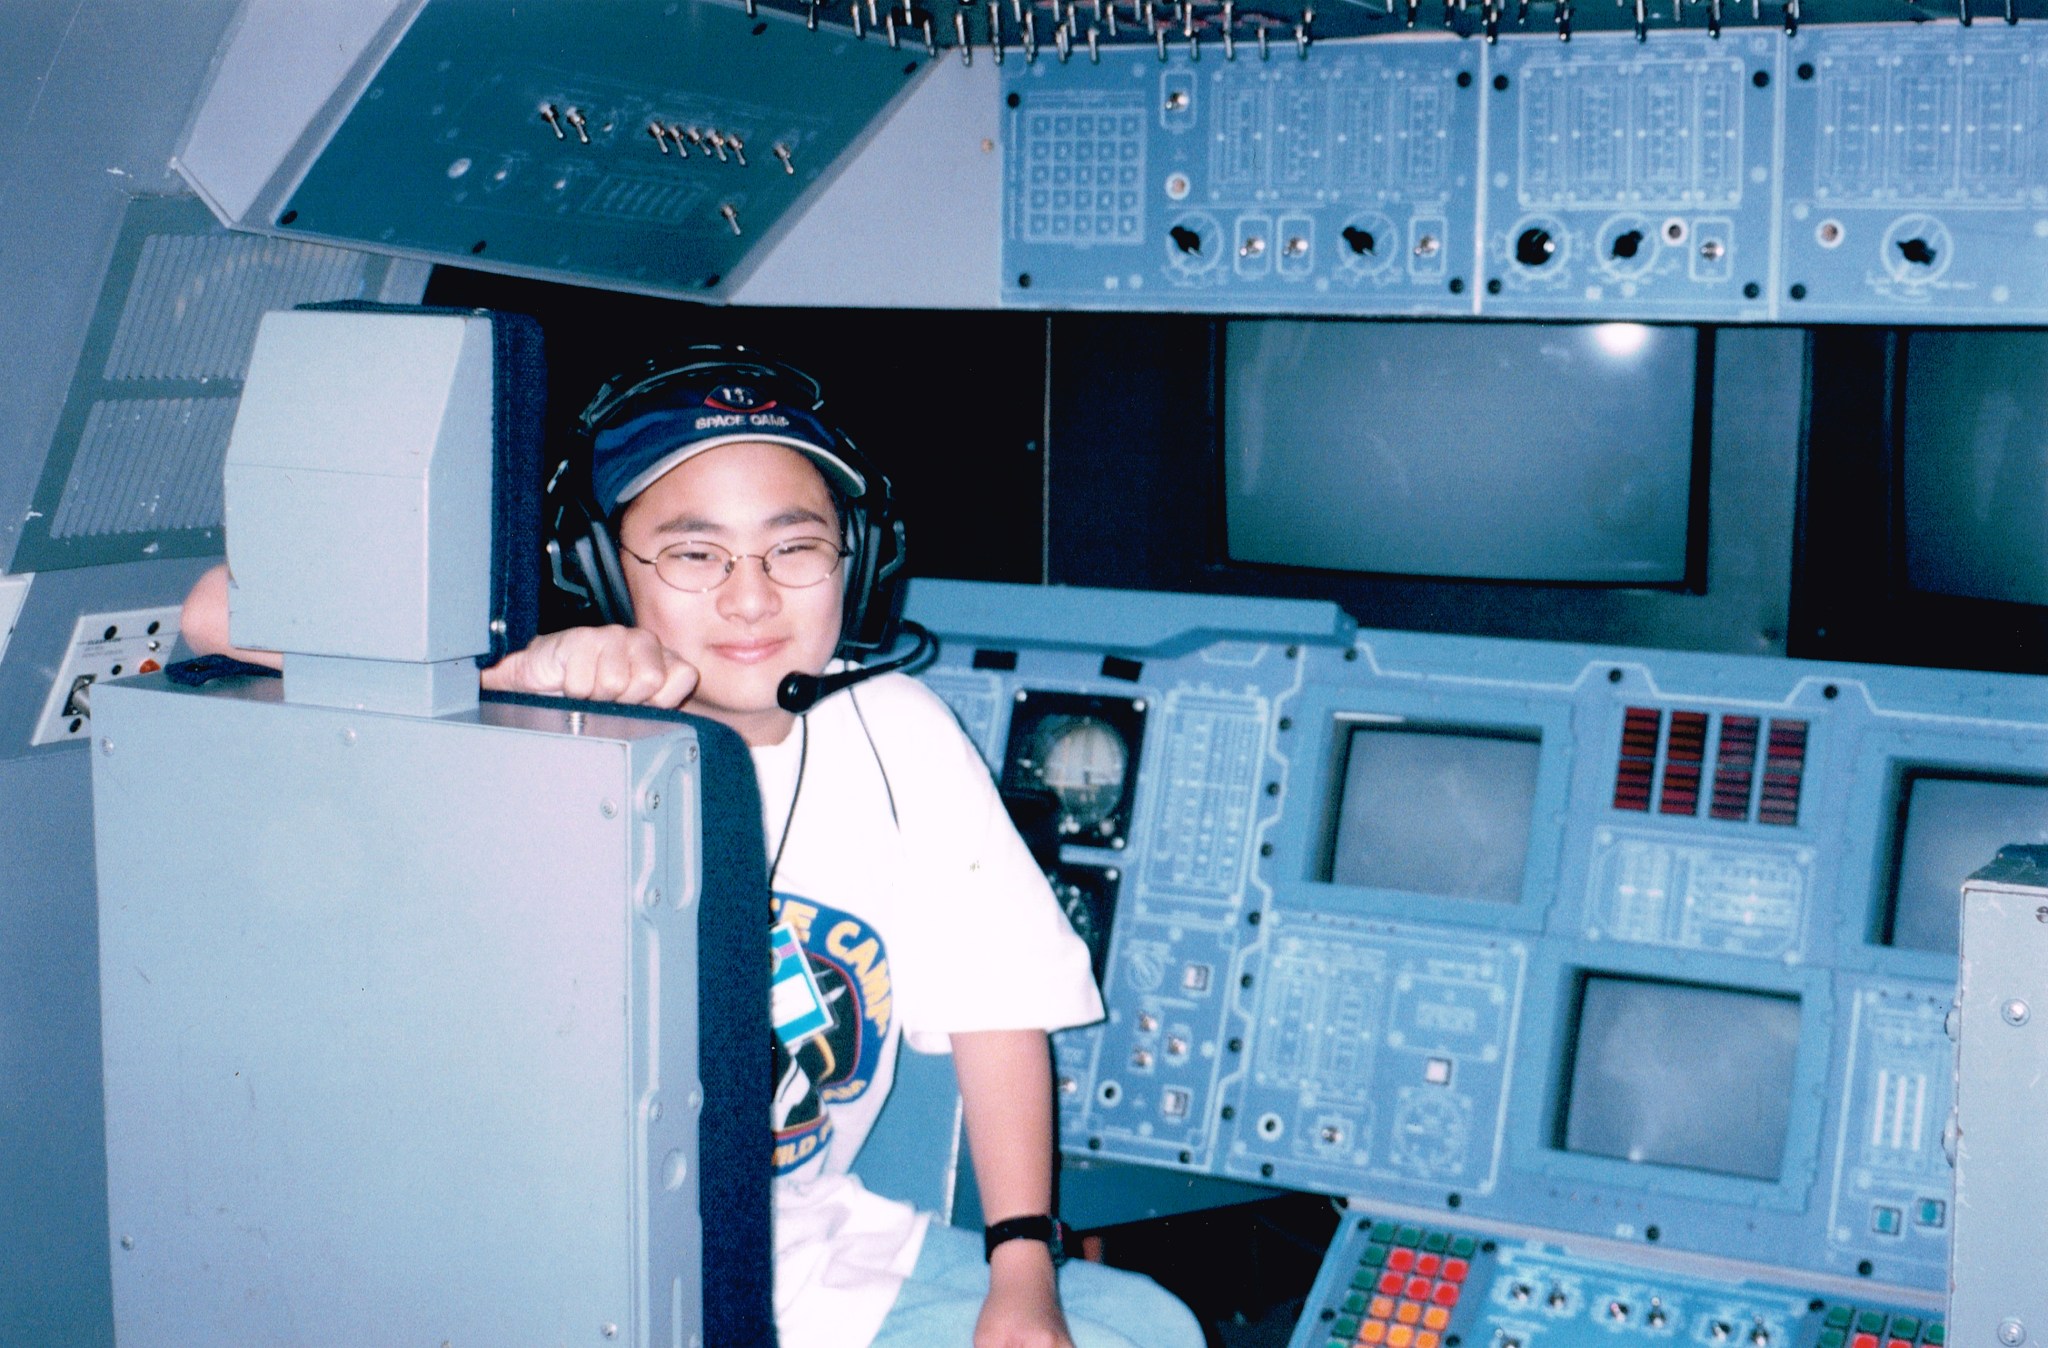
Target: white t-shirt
<point>922,925</point>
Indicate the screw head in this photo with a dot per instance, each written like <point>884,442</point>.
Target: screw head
<point>2016,1013</point>
<point>608,809</point>
<point>2011,1333</point>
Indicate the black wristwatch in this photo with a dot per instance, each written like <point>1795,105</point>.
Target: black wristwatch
<point>1051,1230</point>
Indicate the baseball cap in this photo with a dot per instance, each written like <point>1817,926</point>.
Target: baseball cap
<point>674,424</point>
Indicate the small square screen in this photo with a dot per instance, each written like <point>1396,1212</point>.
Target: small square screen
<point>1435,811</point>
<point>1949,827</point>
<point>1680,1075</point>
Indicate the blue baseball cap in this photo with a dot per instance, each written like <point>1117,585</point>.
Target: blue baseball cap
<point>675,424</point>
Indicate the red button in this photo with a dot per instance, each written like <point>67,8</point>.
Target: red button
<point>1400,1261</point>
<point>1446,1294</point>
<point>1456,1269</point>
<point>1428,1264</point>
<point>1900,1343</point>
<point>1863,1341</point>
<point>1418,1289</point>
<point>1390,1285</point>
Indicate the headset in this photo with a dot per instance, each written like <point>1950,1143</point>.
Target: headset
<point>582,544</point>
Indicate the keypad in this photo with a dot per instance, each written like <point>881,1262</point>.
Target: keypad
<point>1405,1289</point>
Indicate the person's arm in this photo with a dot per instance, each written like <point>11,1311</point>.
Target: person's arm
<point>1006,1097</point>
<point>602,664</point>
<point>204,621</point>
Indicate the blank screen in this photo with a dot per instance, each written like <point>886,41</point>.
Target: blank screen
<point>1671,1074</point>
<point>1953,826</point>
<point>1976,464</point>
<point>1435,812</point>
<point>1535,452</point>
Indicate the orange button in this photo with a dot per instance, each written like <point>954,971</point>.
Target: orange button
<point>1391,1284</point>
<point>1425,1340</point>
<point>1427,1264</point>
<point>1436,1317</point>
<point>1372,1331</point>
<point>1400,1336</point>
<point>1445,1294</point>
<point>1409,1313</point>
<point>1417,1289</point>
<point>1456,1269</point>
<point>1400,1261</point>
<point>1382,1308</point>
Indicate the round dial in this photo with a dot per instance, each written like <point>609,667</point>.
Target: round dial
<point>1082,761</point>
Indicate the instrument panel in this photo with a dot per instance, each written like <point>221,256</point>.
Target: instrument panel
<point>1624,945</point>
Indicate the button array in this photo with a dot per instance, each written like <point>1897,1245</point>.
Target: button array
<point>1407,1282</point>
<point>1847,1327</point>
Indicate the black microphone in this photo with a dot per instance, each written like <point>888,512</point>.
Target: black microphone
<point>798,693</point>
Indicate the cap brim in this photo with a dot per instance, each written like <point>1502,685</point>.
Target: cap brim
<point>836,470</point>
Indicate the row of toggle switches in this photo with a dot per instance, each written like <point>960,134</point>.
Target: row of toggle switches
<point>727,147</point>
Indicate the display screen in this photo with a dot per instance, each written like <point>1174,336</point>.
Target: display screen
<point>1948,827</point>
<point>1439,811</point>
<point>1502,451</point>
<point>1680,1075</point>
<point>1974,471</point>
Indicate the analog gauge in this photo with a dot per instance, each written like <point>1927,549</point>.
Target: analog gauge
<point>1079,754</point>
<point>1082,761</point>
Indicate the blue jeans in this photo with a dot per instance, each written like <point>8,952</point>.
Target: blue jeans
<point>1106,1307</point>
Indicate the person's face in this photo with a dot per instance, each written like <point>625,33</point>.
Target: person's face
<point>748,634</point>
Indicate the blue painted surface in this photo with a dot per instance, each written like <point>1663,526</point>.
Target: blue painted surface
<point>1271,1026</point>
<point>1867,173</point>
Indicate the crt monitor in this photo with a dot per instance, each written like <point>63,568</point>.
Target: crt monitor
<point>1681,1074</point>
<point>1973,466</point>
<point>1948,826</point>
<point>1535,452</point>
<point>1443,811</point>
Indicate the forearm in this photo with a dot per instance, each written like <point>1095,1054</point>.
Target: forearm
<point>203,623</point>
<point>1006,1099</point>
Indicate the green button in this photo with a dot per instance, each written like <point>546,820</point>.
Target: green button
<point>1383,1231</point>
<point>1435,1242</point>
<point>1410,1236</point>
<point>1374,1256</point>
<point>1355,1303</point>
<point>1340,1343</point>
<point>1364,1279</point>
<point>1870,1322</point>
<point>1935,1334</point>
<point>1905,1327</point>
<point>1840,1316</point>
<point>1462,1246</point>
<point>1831,1338</point>
<point>1345,1327</point>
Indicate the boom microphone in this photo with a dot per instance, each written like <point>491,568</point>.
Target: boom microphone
<point>798,693</point>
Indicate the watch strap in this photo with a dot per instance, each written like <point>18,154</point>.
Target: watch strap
<point>1050,1230</point>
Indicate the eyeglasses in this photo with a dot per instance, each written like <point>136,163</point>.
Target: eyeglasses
<point>695,567</point>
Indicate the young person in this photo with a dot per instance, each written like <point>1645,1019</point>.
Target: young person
<point>735,520</point>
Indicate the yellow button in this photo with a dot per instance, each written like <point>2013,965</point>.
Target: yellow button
<point>1409,1313</point>
<point>1400,1336</point>
<point>1382,1308</point>
<point>1436,1317</point>
<point>1372,1331</point>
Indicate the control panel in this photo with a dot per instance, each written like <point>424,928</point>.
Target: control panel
<point>1393,1283</point>
<point>1846,173</point>
<point>1648,947</point>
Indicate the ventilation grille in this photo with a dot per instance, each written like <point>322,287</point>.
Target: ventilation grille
<point>134,468</point>
<point>147,465</point>
<point>193,306</point>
